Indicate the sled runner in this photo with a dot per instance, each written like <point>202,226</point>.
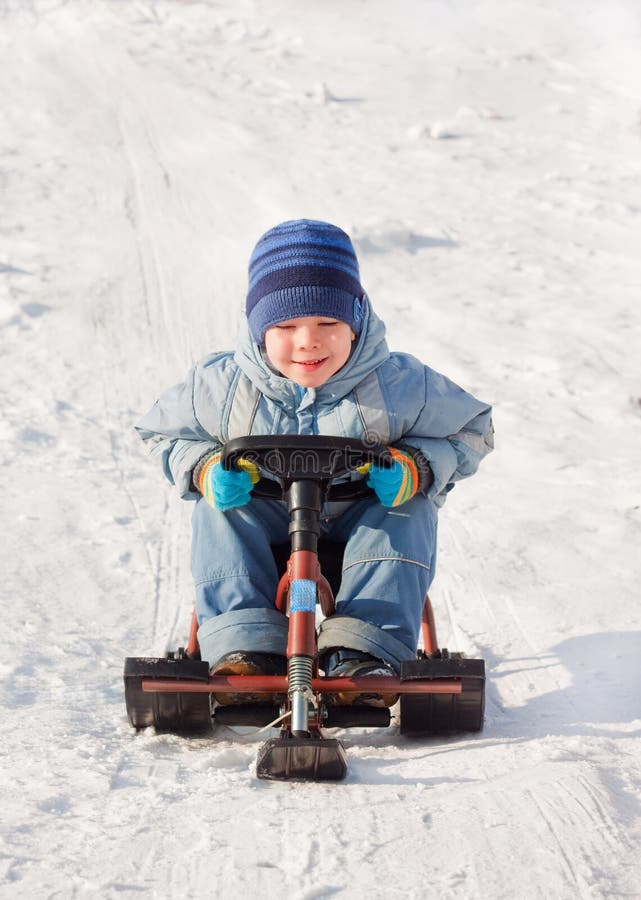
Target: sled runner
<point>441,693</point>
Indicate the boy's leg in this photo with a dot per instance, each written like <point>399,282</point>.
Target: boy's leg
<point>388,567</point>
<point>236,578</point>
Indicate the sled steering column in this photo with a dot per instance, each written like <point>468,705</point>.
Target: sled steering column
<point>302,475</point>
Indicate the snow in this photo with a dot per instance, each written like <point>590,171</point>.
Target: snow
<point>485,157</point>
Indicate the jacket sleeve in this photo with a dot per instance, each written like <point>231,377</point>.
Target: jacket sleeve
<point>453,431</point>
<point>172,432</point>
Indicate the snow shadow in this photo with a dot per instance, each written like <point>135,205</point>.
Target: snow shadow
<point>395,239</point>
<point>34,437</point>
<point>605,688</point>
<point>35,310</point>
<point>6,269</point>
<point>386,771</point>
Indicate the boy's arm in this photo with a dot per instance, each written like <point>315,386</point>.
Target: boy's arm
<point>465,424</point>
<point>172,432</point>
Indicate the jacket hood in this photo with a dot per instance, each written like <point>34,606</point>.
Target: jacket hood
<point>369,351</point>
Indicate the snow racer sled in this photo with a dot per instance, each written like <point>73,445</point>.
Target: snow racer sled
<point>441,693</point>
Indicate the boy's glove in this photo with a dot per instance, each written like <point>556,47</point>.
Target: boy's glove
<point>225,488</point>
<point>409,474</point>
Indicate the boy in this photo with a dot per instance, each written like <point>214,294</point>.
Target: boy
<point>312,359</point>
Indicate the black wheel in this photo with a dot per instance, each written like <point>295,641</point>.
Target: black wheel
<point>426,714</point>
<point>178,712</point>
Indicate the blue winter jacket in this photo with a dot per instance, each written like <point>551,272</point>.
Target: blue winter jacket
<point>378,395</point>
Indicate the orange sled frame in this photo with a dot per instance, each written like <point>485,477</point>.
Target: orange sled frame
<point>441,693</point>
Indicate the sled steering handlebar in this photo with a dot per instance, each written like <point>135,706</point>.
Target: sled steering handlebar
<point>302,457</point>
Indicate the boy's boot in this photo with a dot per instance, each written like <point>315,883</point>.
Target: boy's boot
<point>350,663</point>
<point>241,662</point>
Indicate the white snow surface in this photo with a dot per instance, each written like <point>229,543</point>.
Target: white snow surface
<point>486,159</point>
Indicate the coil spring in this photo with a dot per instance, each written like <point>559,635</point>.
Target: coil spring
<point>300,673</point>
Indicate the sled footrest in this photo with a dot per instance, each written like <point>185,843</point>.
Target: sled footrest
<point>313,758</point>
<point>442,714</point>
<point>259,714</point>
<point>353,716</point>
<point>179,712</point>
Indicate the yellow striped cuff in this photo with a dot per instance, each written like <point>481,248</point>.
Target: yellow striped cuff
<point>410,480</point>
<point>205,478</point>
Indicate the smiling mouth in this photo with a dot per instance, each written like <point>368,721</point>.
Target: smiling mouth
<point>309,363</point>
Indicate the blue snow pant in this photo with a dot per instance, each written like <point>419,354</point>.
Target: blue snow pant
<point>388,566</point>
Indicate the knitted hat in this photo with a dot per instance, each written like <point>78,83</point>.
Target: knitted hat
<point>303,268</point>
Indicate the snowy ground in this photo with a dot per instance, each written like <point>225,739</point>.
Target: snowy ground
<point>486,158</point>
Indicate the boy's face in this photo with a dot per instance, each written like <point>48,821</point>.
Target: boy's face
<point>309,350</point>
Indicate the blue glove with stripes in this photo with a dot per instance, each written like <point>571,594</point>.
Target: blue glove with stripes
<point>225,488</point>
<point>396,485</point>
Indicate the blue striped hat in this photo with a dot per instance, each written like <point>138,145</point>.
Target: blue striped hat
<point>303,268</point>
